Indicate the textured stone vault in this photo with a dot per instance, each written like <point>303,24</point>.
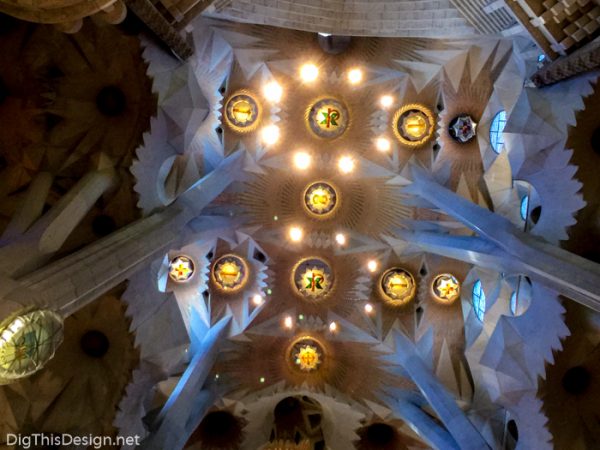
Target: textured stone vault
<point>493,369</point>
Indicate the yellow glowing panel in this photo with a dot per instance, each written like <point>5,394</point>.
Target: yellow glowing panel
<point>230,273</point>
<point>308,358</point>
<point>397,286</point>
<point>445,288</point>
<point>320,198</point>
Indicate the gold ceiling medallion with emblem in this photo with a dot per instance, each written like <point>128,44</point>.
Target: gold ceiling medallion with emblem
<point>413,125</point>
<point>320,199</point>
<point>312,278</point>
<point>445,288</point>
<point>27,343</point>
<point>181,269</point>
<point>230,273</point>
<point>306,354</point>
<point>242,112</point>
<point>328,118</point>
<point>397,286</point>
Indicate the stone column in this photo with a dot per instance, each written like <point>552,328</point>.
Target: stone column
<point>502,245</point>
<point>72,282</point>
<point>458,425</point>
<point>189,402</point>
<point>583,60</point>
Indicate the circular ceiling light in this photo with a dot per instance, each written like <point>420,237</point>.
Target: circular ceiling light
<point>302,160</point>
<point>397,286</point>
<point>230,273</point>
<point>309,72</point>
<point>386,101</point>
<point>306,355</point>
<point>355,76</point>
<point>445,288</point>
<point>320,199</point>
<point>296,234</point>
<point>312,278</point>
<point>28,342</point>
<point>413,125</point>
<point>242,112</point>
<point>346,164</point>
<point>181,269</point>
<point>462,128</point>
<point>328,118</point>
<point>273,92</point>
<point>383,144</point>
<point>270,134</point>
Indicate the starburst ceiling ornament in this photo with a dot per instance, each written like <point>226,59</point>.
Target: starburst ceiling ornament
<point>397,286</point>
<point>328,118</point>
<point>462,128</point>
<point>181,269</point>
<point>320,199</point>
<point>230,273</point>
<point>28,342</point>
<point>445,288</point>
<point>306,354</point>
<point>242,112</point>
<point>413,125</point>
<point>313,278</point>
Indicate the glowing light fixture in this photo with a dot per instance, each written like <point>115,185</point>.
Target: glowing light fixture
<point>273,92</point>
<point>309,72</point>
<point>340,238</point>
<point>302,160</point>
<point>333,327</point>
<point>270,134</point>
<point>296,234</point>
<point>386,101</point>
<point>368,308</point>
<point>383,144</point>
<point>355,76</point>
<point>288,322</point>
<point>262,379</point>
<point>257,299</point>
<point>346,164</point>
<point>372,265</point>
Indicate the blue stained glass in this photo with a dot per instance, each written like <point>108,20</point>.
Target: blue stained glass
<point>524,207</point>
<point>478,300</point>
<point>513,303</point>
<point>496,130</point>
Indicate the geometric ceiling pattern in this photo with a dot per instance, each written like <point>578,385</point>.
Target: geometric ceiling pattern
<point>324,251</point>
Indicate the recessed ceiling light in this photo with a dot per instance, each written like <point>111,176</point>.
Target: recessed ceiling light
<point>386,101</point>
<point>346,164</point>
<point>340,238</point>
<point>273,91</point>
<point>383,144</point>
<point>288,322</point>
<point>302,160</point>
<point>270,134</point>
<point>355,76</point>
<point>333,327</point>
<point>372,265</point>
<point>368,308</point>
<point>309,73</point>
<point>296,234</point>
<point>257,299</point>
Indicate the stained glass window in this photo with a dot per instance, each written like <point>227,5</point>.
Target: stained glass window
<point>28,343</point>
<point>524,207</point>
<point>478,300</point>
<point>496,130</point>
